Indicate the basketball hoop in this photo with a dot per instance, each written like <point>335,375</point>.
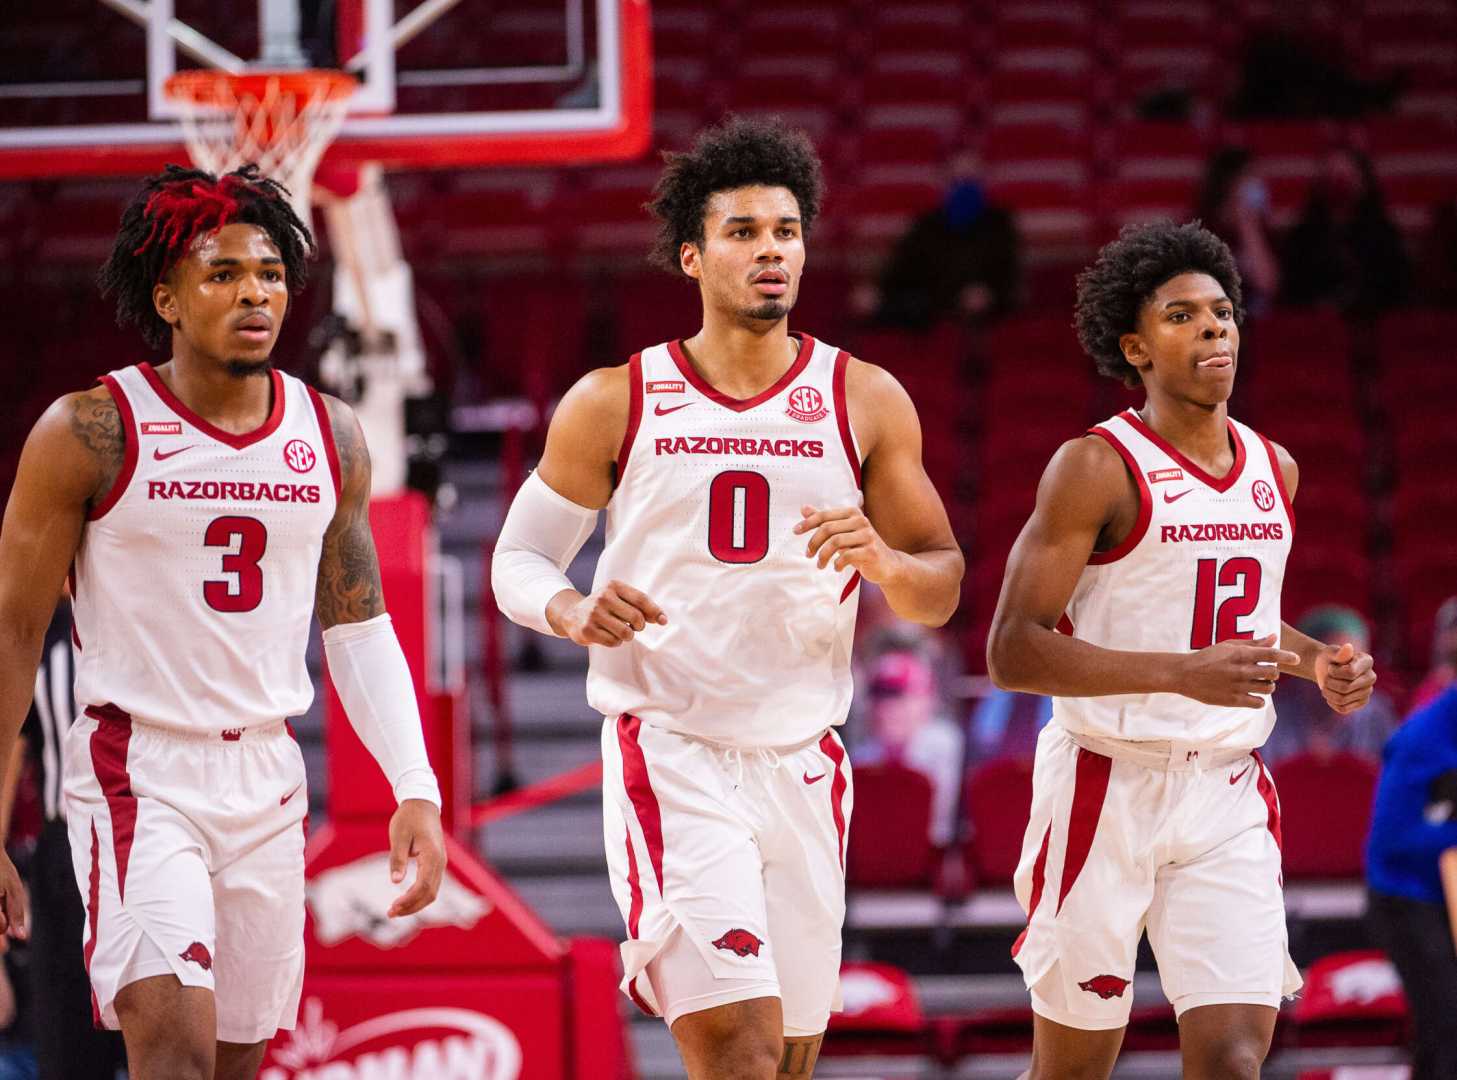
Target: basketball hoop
<point>281,120</point>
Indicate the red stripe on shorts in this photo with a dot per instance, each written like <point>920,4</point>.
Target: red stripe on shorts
<point>1090,788</point>
<point>109,744</point>
<point>1039,879</point>
<point>835,753</point>
<point>634,887</point>
<point>1266,788</point>
<point>640,791</point>
<point>93,908</point>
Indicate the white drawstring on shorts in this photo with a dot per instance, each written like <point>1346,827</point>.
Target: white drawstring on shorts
<point>735,756</point>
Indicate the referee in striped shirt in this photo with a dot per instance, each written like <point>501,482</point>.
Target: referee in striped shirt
<point>67,1045</point>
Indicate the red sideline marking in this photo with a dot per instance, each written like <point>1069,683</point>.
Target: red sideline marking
<point>109,744</point>
<point>1039,878</point>
<point>1089,790</point>
<point>831,748</point>
<point>640,791</point>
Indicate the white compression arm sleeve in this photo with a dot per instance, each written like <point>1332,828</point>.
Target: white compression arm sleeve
<point>374,683</point>
<point>542,535</point>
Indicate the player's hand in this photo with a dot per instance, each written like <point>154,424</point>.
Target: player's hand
<point>611,616</point>
<point>14,905</point>
<point>1238,672</point>
<point>1345,677</point>
<point>846,538</point>
<point>415,834</point>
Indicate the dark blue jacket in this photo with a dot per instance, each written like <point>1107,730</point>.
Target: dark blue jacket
<point>1415,816</point>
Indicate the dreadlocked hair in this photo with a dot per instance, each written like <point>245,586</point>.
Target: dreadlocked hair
<point>739,152</point>
<point>171,211</point>
<point>1126,273</point>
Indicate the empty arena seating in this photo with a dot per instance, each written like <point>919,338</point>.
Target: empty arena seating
<point>998,802</point>
<point>890,847</point>
<point>1325,808</point>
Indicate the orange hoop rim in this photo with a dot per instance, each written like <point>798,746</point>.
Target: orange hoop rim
<point>224,88</point>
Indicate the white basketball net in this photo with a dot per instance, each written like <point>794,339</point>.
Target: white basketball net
<point>282,122</point>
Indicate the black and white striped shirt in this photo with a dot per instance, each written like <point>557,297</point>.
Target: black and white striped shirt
<point>52,711</point>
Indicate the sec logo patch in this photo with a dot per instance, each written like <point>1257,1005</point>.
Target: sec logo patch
<point>299,456</point>
<point>1264,495</point>
<point>806,405</point>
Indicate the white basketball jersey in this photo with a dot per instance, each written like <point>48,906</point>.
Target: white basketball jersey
<point>1203,564</point>
<point>709,488</point>
<point>194,580</point>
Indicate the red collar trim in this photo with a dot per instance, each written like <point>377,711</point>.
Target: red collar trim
<point>237,442</point>
<point>1221,484</point>
<point>702,385</point>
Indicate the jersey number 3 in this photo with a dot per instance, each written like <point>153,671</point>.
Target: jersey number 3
<point>1211,626</point>
<point>244,590</point>
<point>738,516</point>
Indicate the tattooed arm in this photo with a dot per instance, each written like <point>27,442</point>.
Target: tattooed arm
<point>71,459</point>
<point>349,588</point>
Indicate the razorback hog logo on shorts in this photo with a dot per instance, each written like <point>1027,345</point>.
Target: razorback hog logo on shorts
<point>1105,986</point>
<point>197,953</point>
<point>739,942</point>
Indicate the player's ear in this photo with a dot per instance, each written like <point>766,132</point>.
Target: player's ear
<point>688,260</point>
<point>1133,351</point>
<point>165,301</point>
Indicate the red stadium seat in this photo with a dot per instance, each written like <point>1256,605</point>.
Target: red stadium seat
<point>890,845</point>
<point>998,804</point>
<point>1156,149</point>
<point>882,1014</point>
<point>1350,999</point>
<point>1325,810</point>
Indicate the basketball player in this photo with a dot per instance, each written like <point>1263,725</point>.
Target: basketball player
<point>197,505</point>
<point>752,479</point>
<point>1144,596</point>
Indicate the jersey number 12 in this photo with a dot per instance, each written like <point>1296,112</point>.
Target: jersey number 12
<point>1211,626</point>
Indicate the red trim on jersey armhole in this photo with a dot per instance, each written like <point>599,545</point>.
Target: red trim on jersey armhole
<point>93,911</point>
<point>109,743</point>
<point>1145,503</point>
<point>1218,484</point>
<point>1090,788</point>
<point>704,387</point>
<point>326,433</point>
<point>71,583</point>
<point>237,442</point>
<point>640,790</point>
<point>1039,879</point>
<point>129,457</point>
<point>1065,626</point>
<point>1279,481</point>
<point>850,586</point>
<point>634,414</point>
<point>842,414</point>
<point>831,748</point>
<point>1266,786</point>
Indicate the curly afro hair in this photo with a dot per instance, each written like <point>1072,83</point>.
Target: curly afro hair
<point>1126,273</point>
<point>739,152</point>
<point>172,210</point>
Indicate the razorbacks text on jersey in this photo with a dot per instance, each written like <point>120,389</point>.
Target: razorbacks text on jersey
<point>1203,564</point>
<point>194,579</point>
<point>709,488</point>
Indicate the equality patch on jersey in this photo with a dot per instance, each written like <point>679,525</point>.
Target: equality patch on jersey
<point>806,405</point>
<point>666,386</point>
<point>1264,495</point>
<point>169,427</point>
<point>299,456</point>
<point>1159,476</point>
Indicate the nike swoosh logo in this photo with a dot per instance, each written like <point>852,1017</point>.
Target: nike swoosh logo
<point>664,412</point>
<point>290,795</point>
<point>1235,779</point>
<point>1168,498</point>
<point>808,779</point>
<point>158,455</point>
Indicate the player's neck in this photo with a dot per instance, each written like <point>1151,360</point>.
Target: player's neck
<point>738,361</point>
<point>238,404</point>
<point>1200,432</point>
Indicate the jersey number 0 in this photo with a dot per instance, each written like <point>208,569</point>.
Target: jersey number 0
<point>738,516</point>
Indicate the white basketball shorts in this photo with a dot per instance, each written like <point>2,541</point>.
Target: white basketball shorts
<point>729,868</point>
<point>189,852</point>
<point>1183,842</point>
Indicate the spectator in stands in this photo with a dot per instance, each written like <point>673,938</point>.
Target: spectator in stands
<point>1413,822</point>
<point>960,260</point>
<point>1006,723</point>
<point>908,726</point>
<point>1345,249</point>
<point>1306,723</point>
<point>1444,655</point>
<point>1234,204</point>
<point>1294,72</point>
